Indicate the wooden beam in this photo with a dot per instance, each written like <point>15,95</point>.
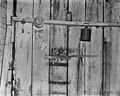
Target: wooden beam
<point>56,57</point>
<point>69,23</point>
<point>67,57</point>
<point>76,23</point>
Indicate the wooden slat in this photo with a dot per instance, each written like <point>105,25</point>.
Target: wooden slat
<point>58,40</point>
<point>59,93</point>
<point>57,82</point>
<point>56,57</point>
<point>41,47</point>
<point>59,64</point>
<point>93,66</point>
<point>67,57</point>
<point>23,49</point>
<point>112,48</point>
<point>3,31</point>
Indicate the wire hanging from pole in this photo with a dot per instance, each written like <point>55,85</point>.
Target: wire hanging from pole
<point>103,56</point>
<point>85,48</point>
<point>49,46</point>
<point>32,52</point>
<point>67,50</point>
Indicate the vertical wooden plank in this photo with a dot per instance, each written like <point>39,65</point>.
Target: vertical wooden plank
<point>113,38</point>
<point>58,40</point>
<point>117,4</point>
<point>58,13</point>
<point>76,67</point>
<point>7,58</point>
<point>41,47</point>
<point>3,27</point>
<point>107,48</point>
<point>23,49</point>
<point>115,49</point>
<point>93,76</point>
<point>5,46</point>
<point>89,81</point>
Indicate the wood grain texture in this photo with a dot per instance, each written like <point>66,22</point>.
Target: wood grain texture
<point>93,76</point>
<point>4,47</point>
<point>23,49</point>
<point>3,31</point>
<point>41,47</point>
<point>113,42</point>
<point>76,71</point>
<point>85,74</point>
<point>58,39</point>
<point>89,68</point>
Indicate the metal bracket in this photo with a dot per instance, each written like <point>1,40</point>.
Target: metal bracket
<point>10,21</point>
<point>37,21</point>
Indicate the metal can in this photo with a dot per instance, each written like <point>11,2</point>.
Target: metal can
<point>85,34</point>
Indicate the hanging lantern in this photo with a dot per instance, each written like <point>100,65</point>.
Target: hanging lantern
<point>85,34</point>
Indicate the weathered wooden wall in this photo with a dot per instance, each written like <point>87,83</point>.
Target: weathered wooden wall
<point>3,32</point>
<point>87,76</point>
<point>3,21</point>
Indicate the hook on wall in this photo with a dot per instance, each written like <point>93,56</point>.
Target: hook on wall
<point>23,21</point>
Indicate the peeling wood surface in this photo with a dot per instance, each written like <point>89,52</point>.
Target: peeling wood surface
<point>114,42</point>
<point>89,68</point>
<point>85,74</point>
<point>3,48</point>
<point>93,76</point>
<point>41,47</point>
<point>23,49</point>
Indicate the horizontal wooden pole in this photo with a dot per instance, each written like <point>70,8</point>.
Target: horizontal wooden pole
<point>67,57</point>
<point>58,64</point>
<point>70,23</point>
<point>83,56</point>
<point>58,93</point>
<point>76,23</point>
<point>18,19</point>
<point>56,57</point>
<point>58,82</point>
